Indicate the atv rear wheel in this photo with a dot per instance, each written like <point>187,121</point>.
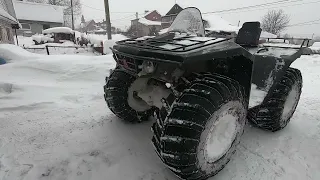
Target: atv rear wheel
<point>116,95</point>
<point>196,135</point>
<point>276,111</point>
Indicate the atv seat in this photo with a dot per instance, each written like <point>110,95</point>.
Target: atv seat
<point>249,34</point>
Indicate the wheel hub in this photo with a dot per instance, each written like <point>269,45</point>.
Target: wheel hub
<point>290,103</point>
<point>221,136</point>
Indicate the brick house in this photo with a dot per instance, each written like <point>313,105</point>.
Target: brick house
<point>146,24</point>
<point>168,19</point>
<point>8,21</point>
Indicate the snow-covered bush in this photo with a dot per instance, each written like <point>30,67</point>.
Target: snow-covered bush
<point>41,39</point>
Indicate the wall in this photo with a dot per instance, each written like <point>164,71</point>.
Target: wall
<point>6,34</point>
<point>35,27</point>
<point>167,20</point>
<point>145,30</point>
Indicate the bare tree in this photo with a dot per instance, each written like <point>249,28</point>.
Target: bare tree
<point>275,21</point>
<point>68,10</point>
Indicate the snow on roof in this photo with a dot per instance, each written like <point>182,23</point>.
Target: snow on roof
<point>216,23</point>
<point>149,23</point>
<point>65,30</point>
<point>265,35</point>
<point>4,14</point>
<point>38,12</point>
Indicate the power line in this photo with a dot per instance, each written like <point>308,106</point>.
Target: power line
<point>254,6</point>
<point>103,9</point>
<point>307,24</point>
<point>276,7</point>
<point>304,23</point>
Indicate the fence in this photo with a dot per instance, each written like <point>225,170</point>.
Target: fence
<point>48,47</point>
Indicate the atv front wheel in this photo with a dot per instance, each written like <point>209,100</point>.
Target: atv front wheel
<point>276,111</point>
<point>196,135</point>
<point>116,95</point>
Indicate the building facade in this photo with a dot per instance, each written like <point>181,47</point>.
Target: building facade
<point>147,24</point>
<point>8,22</point>
<point>168,19</point>
<point>36,17</point>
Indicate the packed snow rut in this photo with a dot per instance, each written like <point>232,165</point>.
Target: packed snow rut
<point>54,124</point>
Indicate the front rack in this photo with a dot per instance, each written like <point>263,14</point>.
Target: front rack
<point>172,44</point>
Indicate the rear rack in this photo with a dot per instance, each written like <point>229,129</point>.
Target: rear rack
<point>178,44</point>
<point>304,41</point>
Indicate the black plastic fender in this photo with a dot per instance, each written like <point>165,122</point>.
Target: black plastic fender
<point>269,69</point>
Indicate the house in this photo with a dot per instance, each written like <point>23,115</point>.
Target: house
<point>88,26</point>
<point>147,24</point>
<point>8,22</point>
<point>168,19</point>
<point>36,17</point>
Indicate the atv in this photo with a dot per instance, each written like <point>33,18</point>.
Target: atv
<point>198,89</point>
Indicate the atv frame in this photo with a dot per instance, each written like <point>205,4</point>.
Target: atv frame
<point>198,88</point>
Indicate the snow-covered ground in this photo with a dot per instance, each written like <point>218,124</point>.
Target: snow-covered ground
<point>55,125</point>
<point>96,40</point>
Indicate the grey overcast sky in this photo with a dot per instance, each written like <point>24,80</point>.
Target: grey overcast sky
<point>298,10</point>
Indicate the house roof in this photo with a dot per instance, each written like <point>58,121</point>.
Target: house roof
<point>216,23</point>
<point>143,15</point>
<point>176,9</point>
<point>149,23</point>
<point>38,12</point>
<point>4,15</point>
<point>7,12</point>
<point>87,23</point>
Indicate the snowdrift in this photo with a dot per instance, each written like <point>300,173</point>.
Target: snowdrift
<point>56,125</point>
<point>12,52</point>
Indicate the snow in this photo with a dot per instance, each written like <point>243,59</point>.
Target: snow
<point>266,35</point>
<point>221,137</point>
<point>11,52</point>
<point>97,40</point>
<point>149,23</point>
<point>42,38</point>
<point>278,52</point>
<point>27,42</point>
<point>5,14</point>
<point>290,102</point>
<point>316,47</point>
<point>38,12</point>
<point>65,30</point>
<point>217,24</point>
<point>56,125</point>
<point>316,44</point>
<point>256,96</point>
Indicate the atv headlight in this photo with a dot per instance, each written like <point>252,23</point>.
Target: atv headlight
<point>148,67</point>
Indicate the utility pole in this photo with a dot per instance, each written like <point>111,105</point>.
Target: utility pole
<point>238,23</point>
<point>106,8</point>
<point>72,18</point>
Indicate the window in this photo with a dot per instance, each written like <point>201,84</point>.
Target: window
<point>46,26</point>
<point>25,26</point>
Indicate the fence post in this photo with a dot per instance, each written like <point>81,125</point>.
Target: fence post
<point>102,47</point>
<point>47,48</point>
